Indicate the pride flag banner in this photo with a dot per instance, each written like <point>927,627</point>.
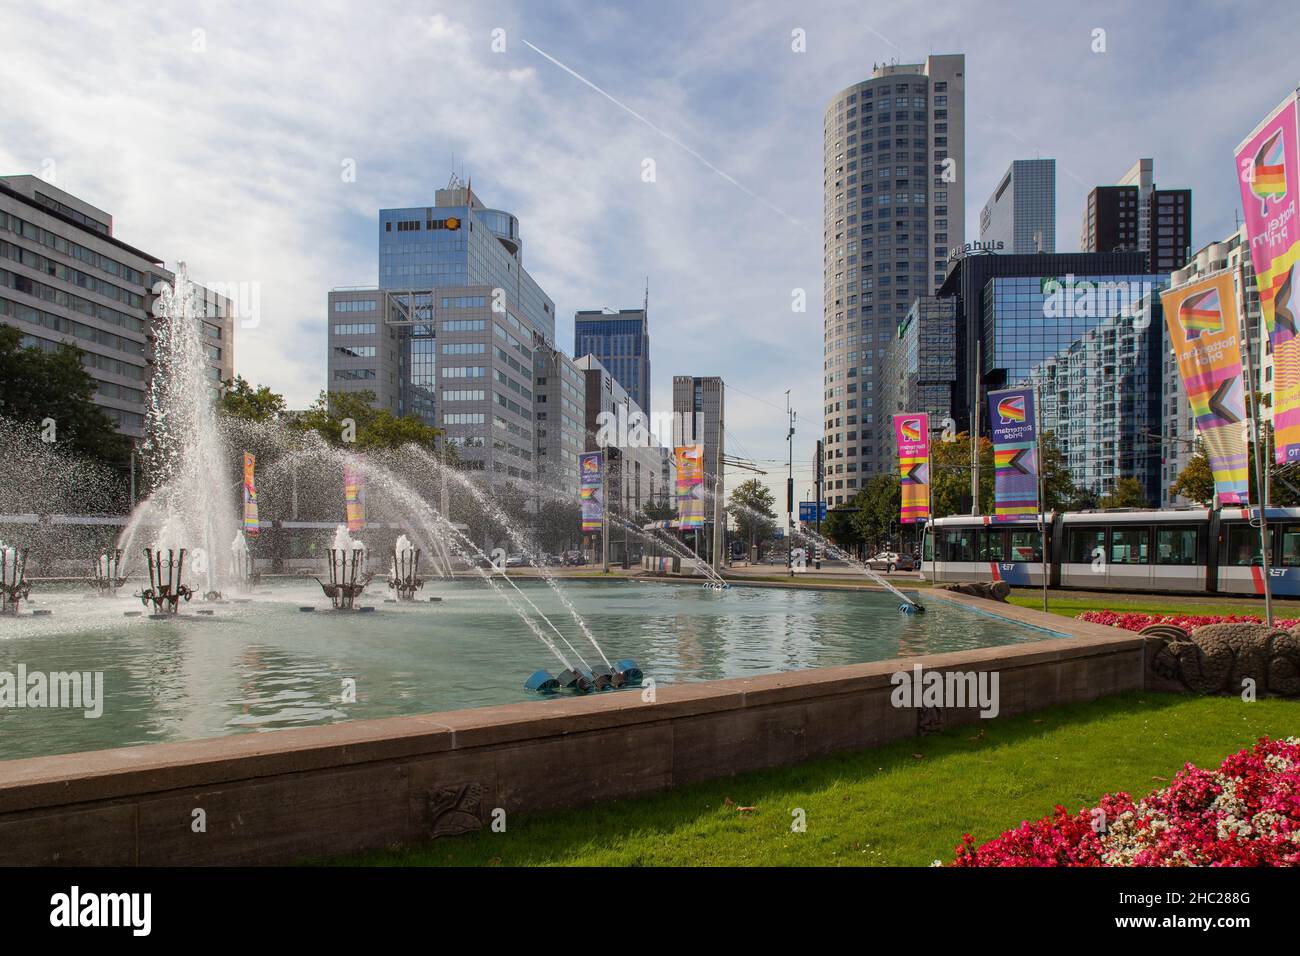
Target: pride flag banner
<point>354,495</point>
<point>1014,426</point>
<point>1268,167</point>
<point>690,486</point>
<point>1204,332</point>
<point>251,525</point>
<point>591,475</point>
<point>912,438</point>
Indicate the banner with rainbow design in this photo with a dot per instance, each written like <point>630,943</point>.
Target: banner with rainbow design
<point>690,486</point>
<point>1014,429</point>
<point>1268,167</point>
<point>912,437</point>
<point>354,496</point>
<point>1204,333</point>
<point>591,476</point>
<point>251,525</point>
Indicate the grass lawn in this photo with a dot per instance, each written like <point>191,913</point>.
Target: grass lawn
<point>1068,605</point>
<point>902,805</point>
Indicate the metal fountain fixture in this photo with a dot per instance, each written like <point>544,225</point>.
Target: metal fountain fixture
<point>166,580</point>
<point>405,578</point>
<point>14,586</point>
<point>108,575</point>
<point>348,577</point>
<point>624,673</point>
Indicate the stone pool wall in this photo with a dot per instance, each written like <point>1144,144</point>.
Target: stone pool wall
<point>291,795</point>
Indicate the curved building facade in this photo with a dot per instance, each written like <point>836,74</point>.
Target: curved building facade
<point>893,208</point>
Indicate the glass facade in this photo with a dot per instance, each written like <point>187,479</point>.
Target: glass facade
<point>622,344</point>
<point>1093,345</point>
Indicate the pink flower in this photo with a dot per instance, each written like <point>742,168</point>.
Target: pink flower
<point>1245,813</point>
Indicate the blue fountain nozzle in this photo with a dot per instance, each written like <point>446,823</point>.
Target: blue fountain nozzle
<point>541,682</point>
<point>630,670</point>
<point>907,607</point>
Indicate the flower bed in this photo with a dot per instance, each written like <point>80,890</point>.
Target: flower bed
<point>1245,813</point>
<point>1136,620</point>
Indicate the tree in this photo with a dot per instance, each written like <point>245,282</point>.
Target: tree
<point>1195,482</point>
<point>375,427</point>
<point>878,510</point>
<point>659,510</point>
<point>1127,493</point>
<point>241,400</point>
<point>950,483</point>
<point>1059,489</point>
<point>41,388</point>
<point>840,528</point>
<point>559,525</point>
<point>751,505</point>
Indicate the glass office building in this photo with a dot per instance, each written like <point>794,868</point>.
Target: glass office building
<point>450,333</point>
<point>621,341</point>
<point>1020,216</point>
<point>1093,345</point>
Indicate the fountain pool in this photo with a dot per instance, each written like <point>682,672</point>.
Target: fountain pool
<point>263,664</point>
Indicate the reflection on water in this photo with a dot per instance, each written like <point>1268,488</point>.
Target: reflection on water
<point>265,665</point>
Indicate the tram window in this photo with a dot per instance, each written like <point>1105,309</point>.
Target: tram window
<point>1291,546</point>
<point>1026,546</point>
<point>927,546</point>
<point>1129,546</point>
<point>959,544</point>
<point>991,542</point>
<point>1083,542</point>
<point>1178,545</point>
<point>1242,546</point>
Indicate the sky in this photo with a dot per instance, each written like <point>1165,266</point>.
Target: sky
<point>223,134</point>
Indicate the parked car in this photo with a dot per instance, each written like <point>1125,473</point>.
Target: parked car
<point>516,561</point>
<point>892,561</point>
<point>573,558</point>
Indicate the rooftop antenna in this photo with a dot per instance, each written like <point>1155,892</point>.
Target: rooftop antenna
<point>646,305</point>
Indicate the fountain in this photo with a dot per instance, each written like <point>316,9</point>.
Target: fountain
<point>108,577</point>
<point>165,591</point>
<point>347,571</point>
<point>14,586</point>
<point>242,567</point>
<point>405,579</point>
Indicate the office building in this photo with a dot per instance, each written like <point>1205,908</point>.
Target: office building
<point>1100,397</point>
<point>699,418</point>
<point>922,362</point>
<point>1180,440</point>
<point>560,400</point>
<point>621,342</point>
<point>1084,314</point>
<point>449,334</point>
<point>893,208</point>
<point>1135,215</point>
<point>634,459</point>
<point>1020,216</point>
<point>65,278</point>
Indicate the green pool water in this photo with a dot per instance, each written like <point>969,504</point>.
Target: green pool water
<point>264,664</point>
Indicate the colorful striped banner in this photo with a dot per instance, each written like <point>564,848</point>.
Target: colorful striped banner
<point>1014,426</point>
<point>690,486</point>
<point>591,471</point>
<point>912,438</point>
<point>354,496</point>
<point>251,525</point>
<point>1204,333</point>
<point>1268,164</point>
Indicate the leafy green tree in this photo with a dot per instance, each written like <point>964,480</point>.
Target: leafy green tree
<point>1195,482</point>
<point>950,484</point>
<point>659,510</point>
<point>36,385</point>
<point>1127,493</point>
<point>840,527</point>
<point>241,400</point>
<point>559,525</point>
<point>750,505</point>
<point>877,510</point>
<point>375,427</point>
<point>1059,489</point>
